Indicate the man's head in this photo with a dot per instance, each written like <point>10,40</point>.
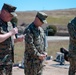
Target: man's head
<point>7,12</point>
<point>9,8</point>
<point>42,17</point>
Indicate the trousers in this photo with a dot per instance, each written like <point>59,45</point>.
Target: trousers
<point>6,69</point>
<point>33,67</point>
<point>72,68</point>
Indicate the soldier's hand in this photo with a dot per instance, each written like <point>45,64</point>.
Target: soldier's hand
<point>42,56</point>
<point>19,39</point>
<point>14,31</point>
<point>45,53</point>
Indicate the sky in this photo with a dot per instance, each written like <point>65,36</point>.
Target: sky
<point>38,5</point>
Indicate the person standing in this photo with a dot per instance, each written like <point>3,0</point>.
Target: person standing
<point>6,38</point>
<point>72,46</point>
<point>35,51</point>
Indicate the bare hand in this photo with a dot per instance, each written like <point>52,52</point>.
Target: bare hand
<point>42,56</point>
<point>19,39</point>
<point>45,53</point>
<point>14,31</point>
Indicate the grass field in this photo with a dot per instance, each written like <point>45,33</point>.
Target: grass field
<point>55,17</point>
<point>53,47</point>
<point>59,20</point>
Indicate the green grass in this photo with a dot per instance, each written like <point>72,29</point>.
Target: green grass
<point>59,20</point>
<point>53,47</point>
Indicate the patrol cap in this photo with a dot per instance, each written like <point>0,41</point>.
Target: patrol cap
<point>11,9</point>
<point>42,16</point>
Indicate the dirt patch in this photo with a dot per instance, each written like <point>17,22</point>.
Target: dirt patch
<point>51,68</point>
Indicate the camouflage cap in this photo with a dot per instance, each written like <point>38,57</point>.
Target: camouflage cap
<point>11,9</point>
<point>42,16</point>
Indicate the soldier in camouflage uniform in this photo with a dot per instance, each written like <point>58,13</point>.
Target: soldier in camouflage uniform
<point>72,46</point>
<point>35,51</point>
<point>6,40</point>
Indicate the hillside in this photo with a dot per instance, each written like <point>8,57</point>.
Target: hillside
<point>60,18</point>
<point>54,16</point>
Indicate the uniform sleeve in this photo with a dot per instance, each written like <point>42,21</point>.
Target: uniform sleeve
<point>72,30</point>
<point>31,47</point>
<point>45,43</point>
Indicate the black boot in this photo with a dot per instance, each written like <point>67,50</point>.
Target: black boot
<point>63,50</point>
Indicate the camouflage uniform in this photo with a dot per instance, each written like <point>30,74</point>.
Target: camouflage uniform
<point>72,46</point>
<point>5,51</point>
<point>34,46</point>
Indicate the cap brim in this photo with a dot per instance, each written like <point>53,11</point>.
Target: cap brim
<point>44,21</point>
<point>14,14</point>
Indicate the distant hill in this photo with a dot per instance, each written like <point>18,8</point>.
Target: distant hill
<point>55,17</point>
<point>59,18</point>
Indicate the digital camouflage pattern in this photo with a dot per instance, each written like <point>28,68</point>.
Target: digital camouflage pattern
<point>5,52</point>
<point>34,46</point>
<point>72,46</point>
